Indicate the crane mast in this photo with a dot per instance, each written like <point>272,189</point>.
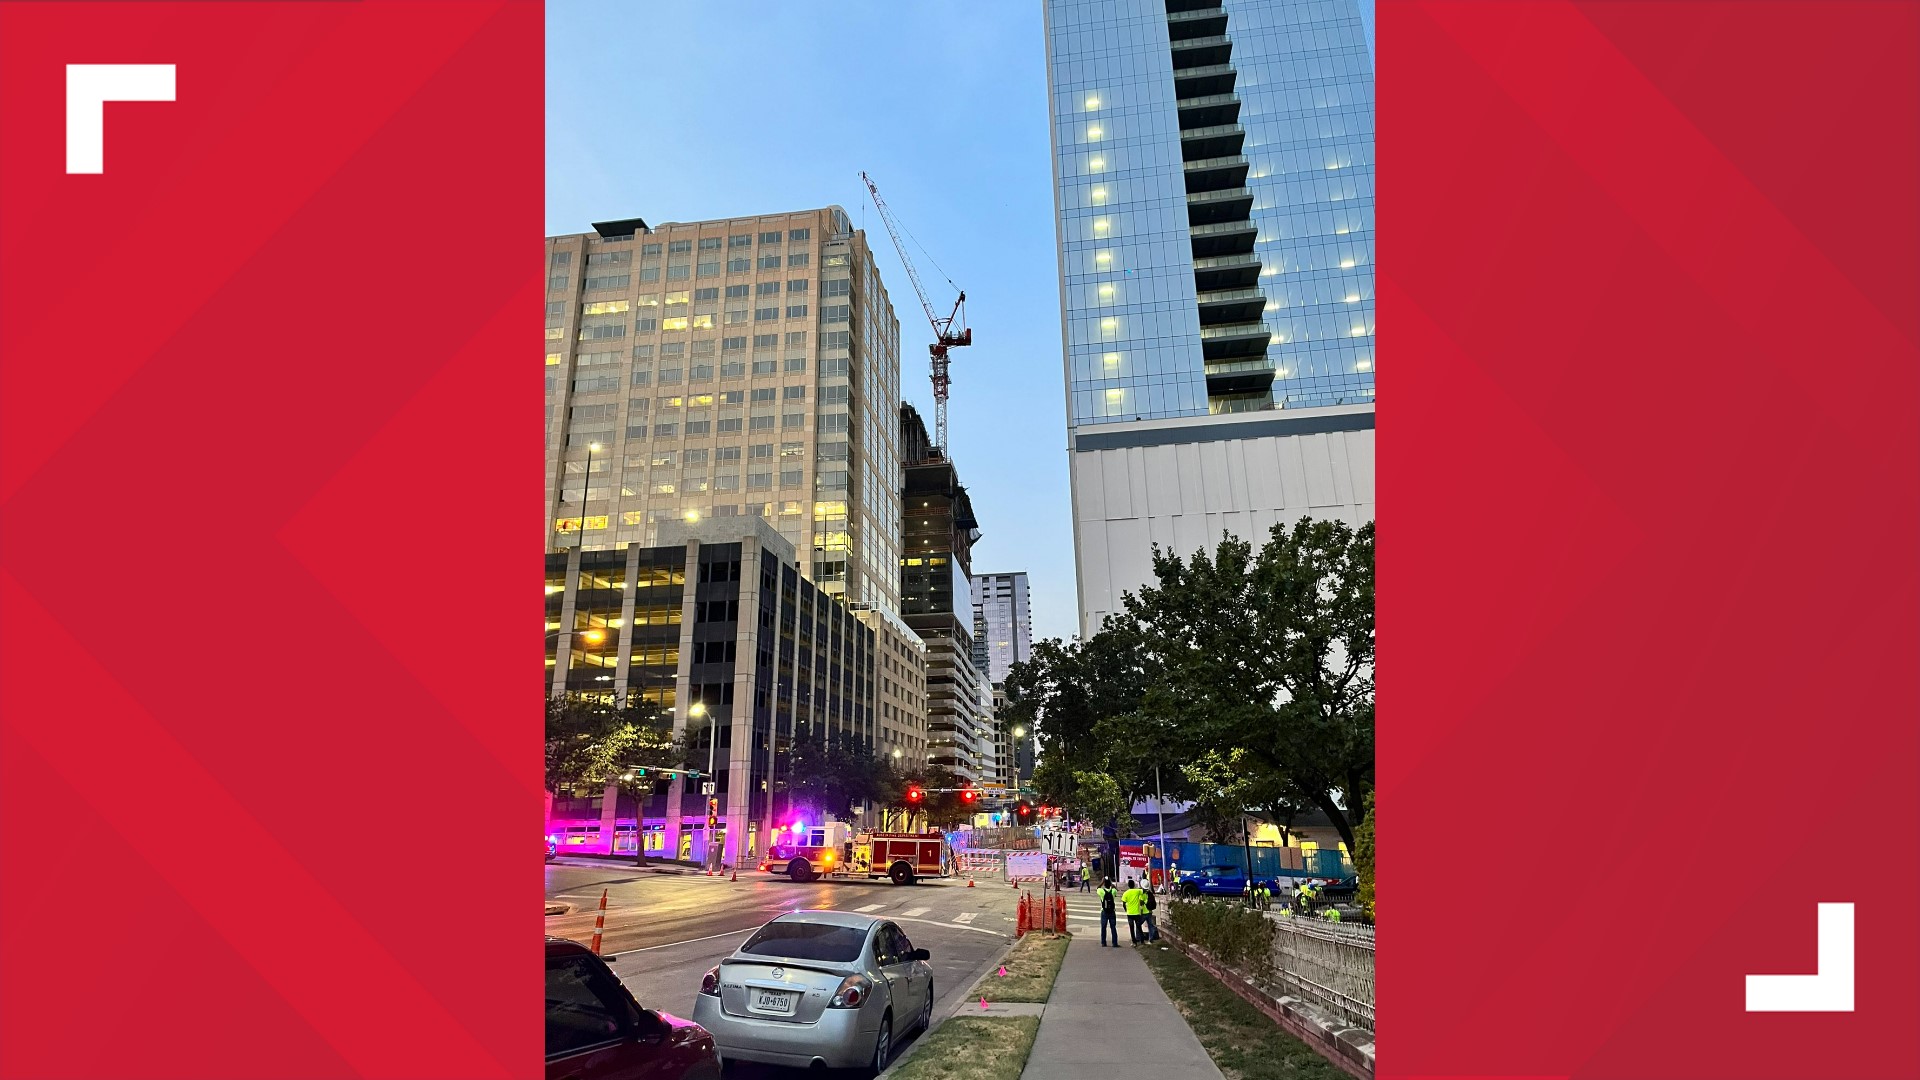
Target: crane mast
<point>944,335</point>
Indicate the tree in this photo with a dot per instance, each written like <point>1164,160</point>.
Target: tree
<point>1363,861</point>
<point>832,775</point>
<point>1270,653</point>
<point>590,740</point>
<point>1098,799</point>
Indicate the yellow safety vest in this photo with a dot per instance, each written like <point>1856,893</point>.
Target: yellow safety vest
<point>1333,914</point>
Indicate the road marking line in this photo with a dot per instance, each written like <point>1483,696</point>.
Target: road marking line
<point>965,917</point>
<point>689,941</point>
<point>951,926</point>
<point>912,911</point>
<point>870,907</point>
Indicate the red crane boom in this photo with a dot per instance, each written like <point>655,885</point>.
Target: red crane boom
<point>944,334</point>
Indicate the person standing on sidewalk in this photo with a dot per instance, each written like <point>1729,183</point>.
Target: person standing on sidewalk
<point>1108,920</point>
<point>1136,902</point>
<point>1153,928</point>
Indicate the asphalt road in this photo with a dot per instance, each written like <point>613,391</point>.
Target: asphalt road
<point>665,930</point>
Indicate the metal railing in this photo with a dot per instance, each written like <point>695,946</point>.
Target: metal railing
<point>1329,964</point>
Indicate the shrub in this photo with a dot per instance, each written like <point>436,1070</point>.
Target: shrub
<point>1236,936</point>
<point>1363,861</point>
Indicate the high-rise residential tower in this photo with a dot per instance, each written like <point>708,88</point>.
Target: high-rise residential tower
<point>747,367</point>
<point>1213,183</point>
<point>1000,602</point>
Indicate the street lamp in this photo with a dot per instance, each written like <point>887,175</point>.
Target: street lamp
<point>699,709</point>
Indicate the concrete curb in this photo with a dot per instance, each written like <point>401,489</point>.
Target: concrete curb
<point>555,907</point>
<point>1350,1049</point>
<point>952,1011</point>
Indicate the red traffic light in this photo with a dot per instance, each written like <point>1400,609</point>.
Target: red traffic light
<point>914,794</point>
<point>1023,809</point>
<point>968,795</point>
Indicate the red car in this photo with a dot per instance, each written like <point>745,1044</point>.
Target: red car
<point>597,1031</point>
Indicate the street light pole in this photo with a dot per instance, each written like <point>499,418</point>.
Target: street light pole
<point>699,708</point>
<point>1160,806</point>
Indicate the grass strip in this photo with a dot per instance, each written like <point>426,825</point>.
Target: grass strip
<point>1031,968</point>
<point>972,1048</point>
<point>1243,1041</point>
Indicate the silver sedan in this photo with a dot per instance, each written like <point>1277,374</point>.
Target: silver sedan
<point>817,988</point>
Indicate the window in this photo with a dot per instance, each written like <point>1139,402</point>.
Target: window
<point>727,453</point>
<point>739,265</point>
<point>666,431</point>
<point>766,367</point>
<point>679,247</point>
<point>796,337</point>
<point>767,288</point>
<point>839,366</point>
<point>609,258</point>
<point>794,393</point>
<point>729,425</point>
<point>740,240</point>
<point>669,376</point>
<point>593,384</point>
<point>708,267</point>
<point>796,363</point>
<point>799,259</point>
<point>643,376</point>
<point>646,324</point>
<point>760,450</point>
<point>793,420</point>
<point>603,332</point>
<point>558,282</point>
<point>733,397</point>
<point>736,316</point>
<point>737,292</point>
<point>733,344</point>
<point>760,423</point>
<point>766,341</point>
<point>796,311</point>
<point>677,273</point>
<point>699,427</point>
<point>709,243</point>
<point>606,307</point>
<point>793,449</point>
<point>833,395</point>
<point>834,480</point>
<point>586,1006</point>
<point>673,348</point>
<point>561,258</point>
<point>769,262</point>
<point>705,294</point>
<point>675,324</point>
<point>733,369</point>
<point>841,287</point>
<point>665,457</point>
<point>836,339</point>
<point>765,313</point>
<point>649,273</point>
<point>799,234</point>
<point>769,238</point>
<point>759,480</point>
<point>797,285</point>
<point>726,482</point>
<point>702,371</point>
<point>836,313</point>
<point>650,249</point>
<point>609,281</point>
<point>701,322</point>
<point>834,422</point>
<point>763,393</point>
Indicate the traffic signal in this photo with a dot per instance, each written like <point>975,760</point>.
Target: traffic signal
<point>1023,810</point>
<point>914,795</point>
<point>968,796</point>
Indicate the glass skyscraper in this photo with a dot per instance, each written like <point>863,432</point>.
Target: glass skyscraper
<point>1213,182</point>
<point>1213,169</point>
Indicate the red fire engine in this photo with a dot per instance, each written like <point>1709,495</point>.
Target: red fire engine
<point>833,850</point>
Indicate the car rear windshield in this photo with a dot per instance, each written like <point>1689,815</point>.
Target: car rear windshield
<point>807,941</point>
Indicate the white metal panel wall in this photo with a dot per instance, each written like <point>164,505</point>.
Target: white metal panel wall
<point>1182,496</point>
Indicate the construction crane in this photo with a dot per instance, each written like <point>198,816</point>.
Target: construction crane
<point>944,335</point>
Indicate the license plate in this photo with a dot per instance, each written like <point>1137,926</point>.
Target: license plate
<point>773,1001</point>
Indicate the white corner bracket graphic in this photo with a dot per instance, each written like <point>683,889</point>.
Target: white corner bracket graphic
<point>1829,988</point>
<point>89,88</point>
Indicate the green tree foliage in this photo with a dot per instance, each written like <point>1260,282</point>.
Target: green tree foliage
<point>590,740</point>
<point>1246,675</point>
<point>835,774</point>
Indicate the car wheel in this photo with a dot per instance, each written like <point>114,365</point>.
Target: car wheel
<point>883,1044</point>
<point>798,870</point>
<point>926,1011</point>
<point>902,874</point>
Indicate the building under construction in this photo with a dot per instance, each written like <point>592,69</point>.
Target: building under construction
<point>936,593</point>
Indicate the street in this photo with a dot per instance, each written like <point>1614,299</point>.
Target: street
<point>663,930</point>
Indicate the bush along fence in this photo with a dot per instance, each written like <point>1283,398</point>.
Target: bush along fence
<point>1289,961</point>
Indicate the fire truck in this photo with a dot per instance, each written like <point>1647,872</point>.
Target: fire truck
<point>834,850</point>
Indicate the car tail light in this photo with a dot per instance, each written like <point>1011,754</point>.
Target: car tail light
<point>710,982</point>
<point>853,990</point>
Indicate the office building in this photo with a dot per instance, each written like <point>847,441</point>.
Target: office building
<point>1001,602</point>
<point>715,622</point>
<point>747,367</point>
<point>1213,185</point>
<point>936,565</point>
<point>902,688</point>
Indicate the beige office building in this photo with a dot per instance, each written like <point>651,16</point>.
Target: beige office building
<point>733,368</point>
<point>900,678</point>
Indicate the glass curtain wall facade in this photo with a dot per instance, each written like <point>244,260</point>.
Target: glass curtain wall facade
<point>1214,188</point>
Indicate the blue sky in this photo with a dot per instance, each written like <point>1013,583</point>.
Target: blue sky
<point>684,112</point>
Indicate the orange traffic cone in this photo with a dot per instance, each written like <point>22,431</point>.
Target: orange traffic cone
<point>969,881</point>
<point>600,922</point>
<point>736,874</point>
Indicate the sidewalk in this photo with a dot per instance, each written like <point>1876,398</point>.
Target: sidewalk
<point>1109,1019</point>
